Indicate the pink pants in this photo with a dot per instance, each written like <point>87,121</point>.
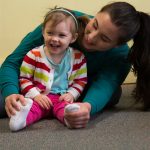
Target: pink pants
<point>37,112</point>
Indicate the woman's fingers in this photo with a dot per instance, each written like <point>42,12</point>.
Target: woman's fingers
<point>11,104</point>
<point>22,100</point>
<point>80,118</point>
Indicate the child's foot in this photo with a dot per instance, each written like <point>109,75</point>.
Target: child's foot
<point>18,121</point>
<point>71,108</point>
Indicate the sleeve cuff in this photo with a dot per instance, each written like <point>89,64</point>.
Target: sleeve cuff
<point>74,92</point>
<point>32,93</point>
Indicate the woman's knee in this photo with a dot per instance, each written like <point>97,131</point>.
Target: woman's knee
<point>115,98</point>
<point>3,113</point>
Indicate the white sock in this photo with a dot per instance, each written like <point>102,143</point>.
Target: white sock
<point>18,121</point>
<point>71,108</point>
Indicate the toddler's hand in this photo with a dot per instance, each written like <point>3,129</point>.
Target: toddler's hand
<point>43,101</point>
<point>67,97</point>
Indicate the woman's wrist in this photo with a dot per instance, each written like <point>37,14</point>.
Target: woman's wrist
<point>88,105</point>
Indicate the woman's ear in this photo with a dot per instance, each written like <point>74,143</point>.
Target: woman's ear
<point>75,36</point>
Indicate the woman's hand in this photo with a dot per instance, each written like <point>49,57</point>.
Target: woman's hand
<point>11,105</point>
<point>80,118</point>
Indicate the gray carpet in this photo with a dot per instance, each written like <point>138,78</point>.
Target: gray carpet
<point>124,127</point>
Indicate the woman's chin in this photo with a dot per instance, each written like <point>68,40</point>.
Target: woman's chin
<point>87,47</point>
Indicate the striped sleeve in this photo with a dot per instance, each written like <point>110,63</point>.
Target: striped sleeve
<point>27,74</point>
<point>78,77</point>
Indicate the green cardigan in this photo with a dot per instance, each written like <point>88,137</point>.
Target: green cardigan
<point>106,70</point>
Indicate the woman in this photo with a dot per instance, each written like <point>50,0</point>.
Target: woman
<point>104,46</point>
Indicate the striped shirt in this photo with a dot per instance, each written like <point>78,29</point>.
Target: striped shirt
<point>37,75</point>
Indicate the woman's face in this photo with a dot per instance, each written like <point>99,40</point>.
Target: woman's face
<point>100,33</point>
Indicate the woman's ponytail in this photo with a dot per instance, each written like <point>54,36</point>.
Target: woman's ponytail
<point>140,59</point>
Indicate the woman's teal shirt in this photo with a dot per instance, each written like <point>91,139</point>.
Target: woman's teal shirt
<point>106,70</point>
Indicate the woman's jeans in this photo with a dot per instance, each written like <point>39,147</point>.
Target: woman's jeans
<point>2,107</point>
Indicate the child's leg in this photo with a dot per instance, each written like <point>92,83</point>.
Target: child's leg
<point>58,107</point>
<point>28,114</point>
<point>36,113</point>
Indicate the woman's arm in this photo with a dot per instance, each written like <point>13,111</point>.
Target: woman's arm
<point>113,72</point>
<point>9,71</point>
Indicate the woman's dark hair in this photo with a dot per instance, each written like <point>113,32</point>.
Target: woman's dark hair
<point>134,25</point>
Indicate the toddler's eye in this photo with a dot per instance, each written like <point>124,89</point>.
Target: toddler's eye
<point>62,35</point>
<point>50,33</point>
<point>95,25</point>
